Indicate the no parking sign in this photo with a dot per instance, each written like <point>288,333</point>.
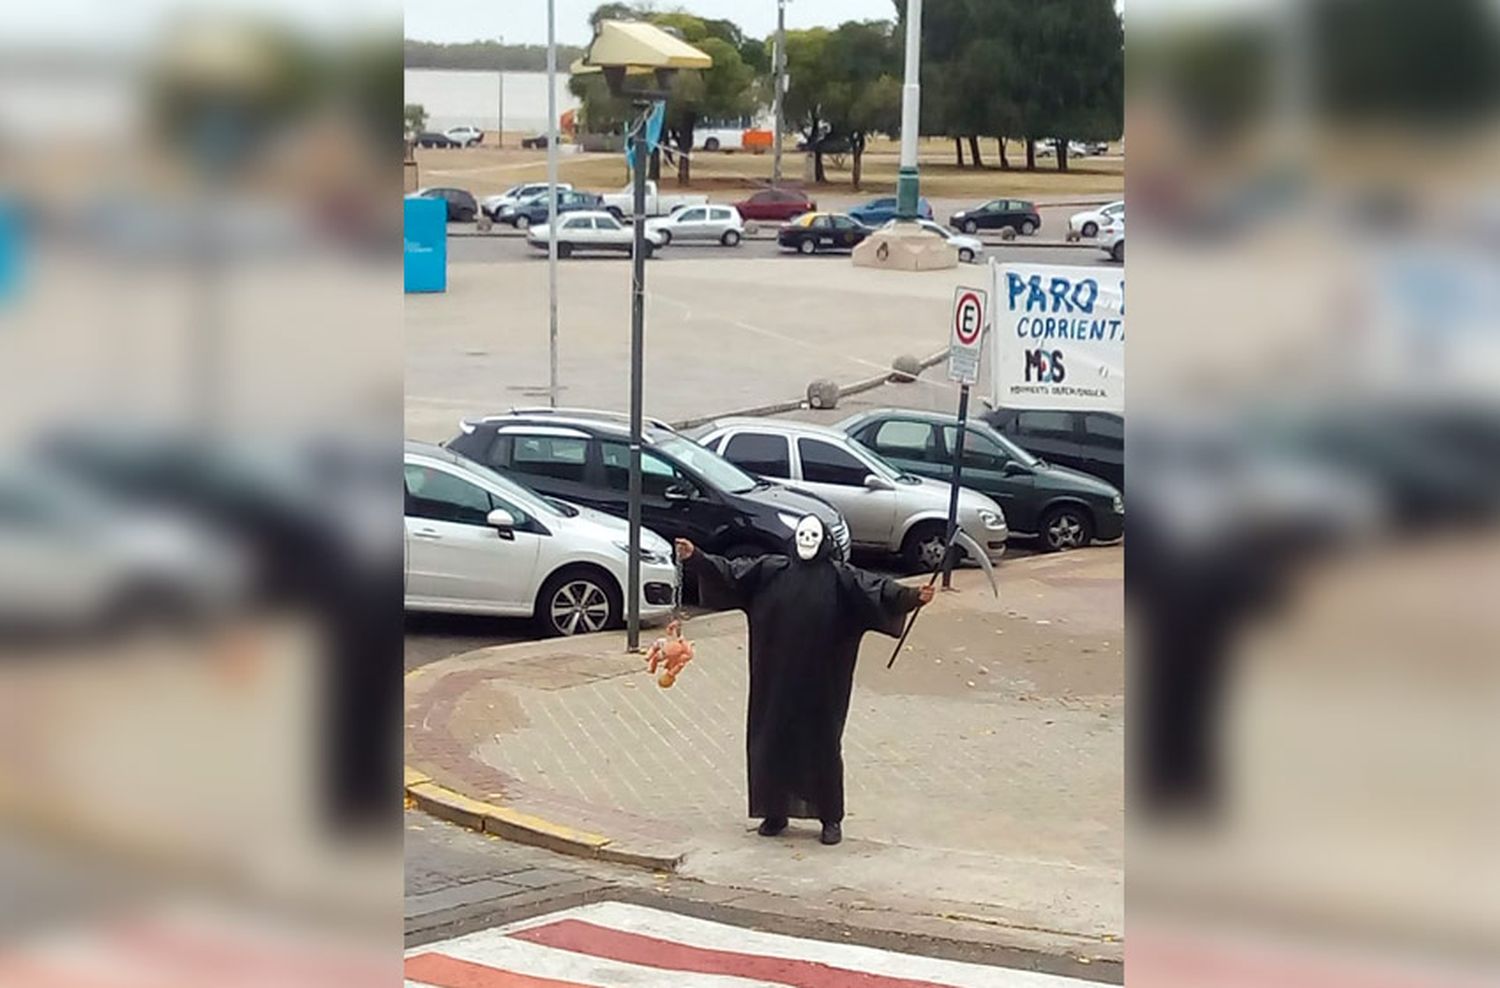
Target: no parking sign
<point>969,306</point>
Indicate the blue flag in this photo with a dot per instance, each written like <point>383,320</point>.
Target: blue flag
<point>654,124</point>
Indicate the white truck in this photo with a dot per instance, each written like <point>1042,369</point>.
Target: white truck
<point>622,203</point>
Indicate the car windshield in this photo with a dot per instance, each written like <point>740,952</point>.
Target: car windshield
<point>1011,449</point>
<point>709,465</point>
<point>527,498</point>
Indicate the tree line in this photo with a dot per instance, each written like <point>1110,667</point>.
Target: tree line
<point>488,56</point>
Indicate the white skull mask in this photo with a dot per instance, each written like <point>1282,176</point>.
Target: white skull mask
<point>809,537</point>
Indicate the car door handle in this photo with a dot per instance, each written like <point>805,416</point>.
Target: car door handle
<point>427,533</point>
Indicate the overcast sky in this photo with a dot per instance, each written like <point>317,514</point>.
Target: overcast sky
<point>525,21</point>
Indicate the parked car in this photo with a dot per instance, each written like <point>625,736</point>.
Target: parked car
<point>495,205</point>
<point>1066,509</point>
<point>970,249</point>
<point>688,491</point>
<point>1090,221</point>
<point>461,205</point>
<point>827,144</point>
<point>877,212</point>
<point>535,210</point>
<point>888,510</point>
<point>1093,442</point>
<point>770,205</point>
<point>479,543</point>
<point>1017,214</point>
<point>591,230</point>
<point>466,136</point>
<point>713,224</point>
<point>535,141</point>
<point>432,139</point>
<point>813,232</point>
<point>1112,240</point>
<point>1076,149</point>
<point>622,203</point>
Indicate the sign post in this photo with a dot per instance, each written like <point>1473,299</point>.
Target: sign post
<point>964,345</point>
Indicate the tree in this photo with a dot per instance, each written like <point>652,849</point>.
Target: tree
<point>807,66</point>
<point>861,95</point>
<point>416,118</point>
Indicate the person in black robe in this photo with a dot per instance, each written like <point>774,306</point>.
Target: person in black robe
<point>807,613</point>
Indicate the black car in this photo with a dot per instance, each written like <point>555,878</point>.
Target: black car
<point>432,139</point>
<point>812,232</point>
<point>997,214</point>
<point>1066,509</point>
<point>539,141</point>
<point>687,491</point>
<point>462,207</point>
<point>1093,442</point>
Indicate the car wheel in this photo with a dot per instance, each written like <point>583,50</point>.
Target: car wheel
<point>466,215</point>
<point>578,601</point>
<point>1027,228</point>
<point>970,227</point>
<point>1067,527</point>
<point>522,222</point>
<point>650,250</point>
<point>966,255</point>
<point>806,246</point>
<point>731,238</point>
<point>1090,229</point>
<point>666,237</point>
<point>712,144</point>
<point>564,250</point>
<point>922,550</point>
<point>1118,252</point>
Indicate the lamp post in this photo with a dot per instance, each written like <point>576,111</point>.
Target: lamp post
<point>778,83</point>
<point>622,49</point>
<point>911,102</point>
<point>551,203</point>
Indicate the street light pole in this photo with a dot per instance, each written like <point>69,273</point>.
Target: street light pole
<point>778,72</point>
<point>637,370</point>
<point>552,203</point>
<point>911,101</point>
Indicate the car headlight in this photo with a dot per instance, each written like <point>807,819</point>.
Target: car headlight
<point>648,555</point>
<point>1119,504</point>
<point>990,519</point>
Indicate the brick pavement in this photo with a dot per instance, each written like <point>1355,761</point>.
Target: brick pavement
<point>984,772</point>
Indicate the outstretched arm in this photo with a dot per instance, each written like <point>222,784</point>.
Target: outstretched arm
<point>724,583</point>
<point>879,603</point>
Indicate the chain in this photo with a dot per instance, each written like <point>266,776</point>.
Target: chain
<point>676,586</point>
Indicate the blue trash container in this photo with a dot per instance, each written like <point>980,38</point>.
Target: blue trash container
<point>426,246</point>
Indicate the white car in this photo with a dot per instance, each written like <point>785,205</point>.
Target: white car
<point>479,543</point>
<point>1112,240</point>
<point>970,249</point>
<point>465,135</point>
<point>494,206</point>
<point>1089,222</point>
<point>705,224</point>
<point>592,230</point>
<point>888,511</point>
<point>1048,148</point>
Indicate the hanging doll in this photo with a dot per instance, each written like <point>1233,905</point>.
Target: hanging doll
<point>671,652</point>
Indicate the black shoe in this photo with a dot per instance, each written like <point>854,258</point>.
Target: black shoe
<point>772,825</point>
<point>832,834</point>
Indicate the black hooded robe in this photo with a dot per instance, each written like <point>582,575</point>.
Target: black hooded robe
<point>806,621</point>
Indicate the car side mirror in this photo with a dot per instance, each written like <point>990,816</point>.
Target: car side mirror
<point>1014,468</point>
<point>875,482</point>
<point>677,492</point>
<point>503,522</point>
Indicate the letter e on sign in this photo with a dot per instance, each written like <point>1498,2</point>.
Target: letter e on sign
<point>970,306</point>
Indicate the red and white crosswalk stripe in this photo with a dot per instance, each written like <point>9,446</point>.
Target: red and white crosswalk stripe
<point>616,945</point>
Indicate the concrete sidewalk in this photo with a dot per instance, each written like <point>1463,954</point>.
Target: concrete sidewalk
<point>984,772</point>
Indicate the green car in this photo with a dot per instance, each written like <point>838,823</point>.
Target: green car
<point>1066,509</point>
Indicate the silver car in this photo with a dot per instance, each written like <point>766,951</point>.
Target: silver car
<point>887,510</point>
<point>704,224</point>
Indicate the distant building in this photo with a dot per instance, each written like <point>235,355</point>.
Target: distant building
<point>453,97</point>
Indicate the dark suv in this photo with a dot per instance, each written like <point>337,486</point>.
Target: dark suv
<point>687,491</point>
<point>1093,442</point>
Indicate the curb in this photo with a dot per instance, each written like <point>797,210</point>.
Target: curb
<point>523,828</point>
